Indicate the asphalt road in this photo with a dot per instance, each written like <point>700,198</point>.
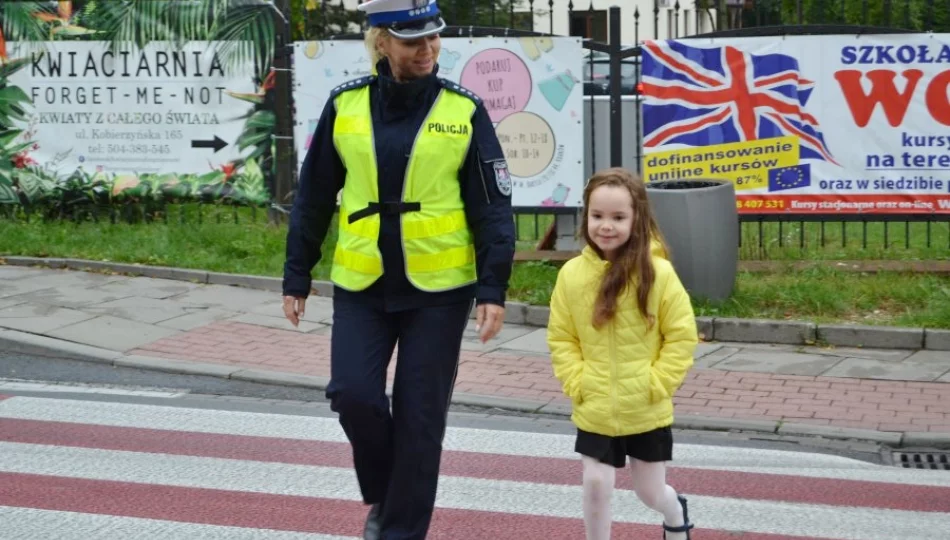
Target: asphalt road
<point>39,368</point>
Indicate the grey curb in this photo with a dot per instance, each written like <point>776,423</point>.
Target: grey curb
<point>497,402</point>
<point>44,346</point>
<point>884,337</point>
<point>706,328</point>
<point>938,340</point>
<point>175,366</point>
<point>251,282</point>
<point>537,316</point>
<point>26,343</point>
<point>764,331</point>
<point>890,438</point>
<point>711,423</point>
<point>926,439</point>
<point>711,328</point>
<point>280,378</point>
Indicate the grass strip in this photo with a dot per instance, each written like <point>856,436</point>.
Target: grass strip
<point>820,293</point>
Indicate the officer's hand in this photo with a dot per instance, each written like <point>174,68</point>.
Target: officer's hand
<point>294,309</point>
<point>488,320</point>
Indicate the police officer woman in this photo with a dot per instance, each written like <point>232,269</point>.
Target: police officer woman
<point>425,228</point>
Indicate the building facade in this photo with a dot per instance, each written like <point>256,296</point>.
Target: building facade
<point>658,19</point>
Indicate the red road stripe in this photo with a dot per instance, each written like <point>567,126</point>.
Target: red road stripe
<point>292,513</point>
<point>742,485</point>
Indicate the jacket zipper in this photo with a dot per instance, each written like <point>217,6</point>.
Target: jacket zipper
<point>613,376</point>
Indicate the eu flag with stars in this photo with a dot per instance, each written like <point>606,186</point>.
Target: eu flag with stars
<point>783,178</point>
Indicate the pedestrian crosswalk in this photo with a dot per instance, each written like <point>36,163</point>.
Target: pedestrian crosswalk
<point>90,470</point>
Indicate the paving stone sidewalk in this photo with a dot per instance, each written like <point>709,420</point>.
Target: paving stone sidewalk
<point>242,332</point>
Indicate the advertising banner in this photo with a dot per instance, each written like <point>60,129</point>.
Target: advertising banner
<point>160,122</point>
<point>530,87</point>
<point>804,124</point>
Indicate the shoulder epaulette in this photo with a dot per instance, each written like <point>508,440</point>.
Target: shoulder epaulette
<point>352,85</point>
<point>459,89</point>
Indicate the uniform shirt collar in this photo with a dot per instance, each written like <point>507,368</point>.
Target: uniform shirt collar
<point>402,94</point>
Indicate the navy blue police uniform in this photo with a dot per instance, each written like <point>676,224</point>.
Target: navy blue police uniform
<point>397,455</point>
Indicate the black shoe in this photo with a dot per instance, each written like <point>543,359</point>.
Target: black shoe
<point>374,523</point>
<point>685,527</point>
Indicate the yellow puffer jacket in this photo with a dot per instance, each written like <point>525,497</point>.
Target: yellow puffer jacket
<point>620,378</point>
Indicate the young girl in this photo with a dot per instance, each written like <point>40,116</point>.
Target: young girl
<point>622,335</point>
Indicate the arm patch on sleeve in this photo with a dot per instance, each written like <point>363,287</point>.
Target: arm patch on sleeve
<point>502,177</point>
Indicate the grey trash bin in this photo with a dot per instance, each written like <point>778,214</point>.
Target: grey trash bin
<point>699,220</point>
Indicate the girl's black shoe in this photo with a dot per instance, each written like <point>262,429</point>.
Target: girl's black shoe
<point>685,527</point>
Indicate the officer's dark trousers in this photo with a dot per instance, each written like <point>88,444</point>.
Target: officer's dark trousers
<point>396,455</point>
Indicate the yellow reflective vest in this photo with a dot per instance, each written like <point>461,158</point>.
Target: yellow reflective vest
<point>436,239</point>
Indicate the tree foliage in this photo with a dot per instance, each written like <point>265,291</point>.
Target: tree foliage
<point>492,13</point>
<point>316,19</point>
<point>911,15</point>
<point>319,19</point>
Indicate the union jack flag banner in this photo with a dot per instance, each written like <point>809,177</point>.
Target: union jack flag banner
<point>816,124</point>
<point>699,96</point>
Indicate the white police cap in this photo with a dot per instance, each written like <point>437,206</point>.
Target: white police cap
<point>405,19</point>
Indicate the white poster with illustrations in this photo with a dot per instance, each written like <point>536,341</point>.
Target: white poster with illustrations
<point>530,87</point>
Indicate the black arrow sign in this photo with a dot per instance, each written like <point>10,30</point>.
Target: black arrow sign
<point>216,143</point>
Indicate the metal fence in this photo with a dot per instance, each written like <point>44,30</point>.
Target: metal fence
<point>612,110</point>
<point>759,233</point>
<point>615,105</point>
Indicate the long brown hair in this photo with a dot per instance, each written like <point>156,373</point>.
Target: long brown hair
<point>633,259</point>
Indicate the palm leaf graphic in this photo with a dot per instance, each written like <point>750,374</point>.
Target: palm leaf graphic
<point>19,21</point>
<point>244,29</point>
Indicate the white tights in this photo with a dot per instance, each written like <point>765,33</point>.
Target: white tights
<point>649,483</point>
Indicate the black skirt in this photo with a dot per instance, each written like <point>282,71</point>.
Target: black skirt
<point>652,446</point>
